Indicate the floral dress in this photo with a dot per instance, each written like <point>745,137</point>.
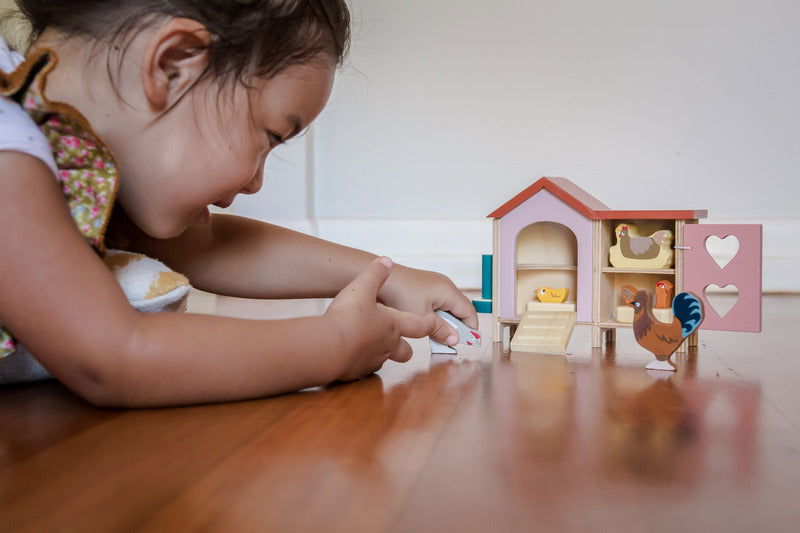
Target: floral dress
<point>87,171</point>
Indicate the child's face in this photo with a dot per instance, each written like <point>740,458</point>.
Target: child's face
<point>212,146</point>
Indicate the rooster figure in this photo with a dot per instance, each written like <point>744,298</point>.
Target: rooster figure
<point>657,337</point>
<point>636,251</point>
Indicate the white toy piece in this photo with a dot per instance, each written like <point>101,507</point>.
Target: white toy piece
<point>660,365</point>
<point>150,285</point>
<point>466,335</point>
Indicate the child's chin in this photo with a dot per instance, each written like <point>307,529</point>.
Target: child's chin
<point>168,231</point>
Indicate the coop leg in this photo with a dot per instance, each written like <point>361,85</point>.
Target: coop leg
<point>497,331</point>
<point>691,342</point>
<point>597,337</point>
<point>694,340</point>
<point>611,336</point>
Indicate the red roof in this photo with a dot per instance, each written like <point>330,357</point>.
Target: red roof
<point>588,205</point>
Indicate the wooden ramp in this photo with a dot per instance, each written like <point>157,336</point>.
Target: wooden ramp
<point>545,328</point>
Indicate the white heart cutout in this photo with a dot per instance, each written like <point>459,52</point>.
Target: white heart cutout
<point>722,299</point>
<point>722,251</point>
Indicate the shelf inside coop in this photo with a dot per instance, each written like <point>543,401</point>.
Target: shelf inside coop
<point>528,266</point>
<point>660,271</point>
<point>644,227</point>
<point>528,281</point>
<point>611,297</point>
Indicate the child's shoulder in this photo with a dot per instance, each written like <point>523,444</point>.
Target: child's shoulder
<point>19,133</point>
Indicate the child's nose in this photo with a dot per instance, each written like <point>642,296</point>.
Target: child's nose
<point>254,185</point>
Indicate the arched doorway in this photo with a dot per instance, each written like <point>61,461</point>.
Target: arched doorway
<point>546,256</point>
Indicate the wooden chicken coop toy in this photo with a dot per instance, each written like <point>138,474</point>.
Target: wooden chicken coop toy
<point>561,257</point>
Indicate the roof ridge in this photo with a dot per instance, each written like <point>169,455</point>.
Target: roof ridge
<point>562,188</point>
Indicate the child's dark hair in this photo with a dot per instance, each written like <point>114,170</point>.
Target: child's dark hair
<point>250,37</point>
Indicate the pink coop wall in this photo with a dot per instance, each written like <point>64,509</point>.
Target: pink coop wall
<point>543,207</point>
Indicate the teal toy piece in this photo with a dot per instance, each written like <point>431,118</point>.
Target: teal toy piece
<point>486,277</point>
<point>484,305</point>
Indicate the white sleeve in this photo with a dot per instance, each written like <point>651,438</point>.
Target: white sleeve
<point>19,133</point>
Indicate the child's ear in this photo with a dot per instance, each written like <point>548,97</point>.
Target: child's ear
<point>174,59</point>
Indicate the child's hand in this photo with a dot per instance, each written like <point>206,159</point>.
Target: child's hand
<point>422,292</point>
<point>372,332</point>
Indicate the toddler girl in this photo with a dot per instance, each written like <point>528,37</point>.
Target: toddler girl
<point>124,121</point>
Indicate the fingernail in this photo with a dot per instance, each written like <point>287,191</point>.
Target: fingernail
<point>386,262</point>
<point>451,340</point>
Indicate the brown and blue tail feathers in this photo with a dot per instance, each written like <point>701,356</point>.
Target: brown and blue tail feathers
<point>688,309</point>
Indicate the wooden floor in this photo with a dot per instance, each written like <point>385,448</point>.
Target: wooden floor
<point>489,442</point>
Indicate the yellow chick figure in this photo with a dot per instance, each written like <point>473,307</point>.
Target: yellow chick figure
<point>548,295</point>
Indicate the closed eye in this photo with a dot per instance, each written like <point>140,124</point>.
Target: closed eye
<point>274,139</point>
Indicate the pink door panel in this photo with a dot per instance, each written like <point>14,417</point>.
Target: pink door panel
<point>743,271</point>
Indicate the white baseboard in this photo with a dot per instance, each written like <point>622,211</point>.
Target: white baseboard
<point>454,246</point>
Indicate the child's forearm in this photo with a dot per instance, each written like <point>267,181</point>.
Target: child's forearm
<point>237,256</point>
<point>185,358</point>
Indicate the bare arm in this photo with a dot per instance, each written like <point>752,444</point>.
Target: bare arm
<point>60,300</point>
<point>237,256</point>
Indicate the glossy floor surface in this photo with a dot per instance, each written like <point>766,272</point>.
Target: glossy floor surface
<point>489,441</point>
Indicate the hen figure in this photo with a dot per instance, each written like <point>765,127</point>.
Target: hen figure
<point>633,250</point>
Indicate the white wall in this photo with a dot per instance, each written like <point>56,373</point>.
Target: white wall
<point>447,108</point>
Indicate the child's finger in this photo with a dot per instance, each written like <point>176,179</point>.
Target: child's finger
<point>415,326</point>
<point>375,367</point>
<point>402,353</point>
<point>462,308</point>
<point>444,332</point>
<point>372,278</point>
